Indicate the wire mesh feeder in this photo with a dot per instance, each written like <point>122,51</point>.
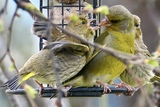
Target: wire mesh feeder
<point>62,8</point>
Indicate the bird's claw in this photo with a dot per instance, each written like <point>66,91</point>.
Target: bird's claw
<point>105,87</point>
<point>41,88</point>
<point>130,89</point>
<point>65,90</point>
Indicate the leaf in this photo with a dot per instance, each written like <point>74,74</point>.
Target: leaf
<point>102,9</point>
<point>73,17</point>
<point>12,68</point>
<point>1,25</point>
<point>88,8</point>
<point>159,30</point>
<point>152,62</point>
<point>30,91</point>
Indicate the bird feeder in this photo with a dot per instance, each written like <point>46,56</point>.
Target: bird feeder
<point>61,9</point>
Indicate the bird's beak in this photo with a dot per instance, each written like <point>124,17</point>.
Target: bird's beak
<point>94,28</point>
<point>105,22</point>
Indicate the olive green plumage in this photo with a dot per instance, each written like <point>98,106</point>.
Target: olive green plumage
<point>104,67</point>
<point>139,74</point>
<point>68,54</point>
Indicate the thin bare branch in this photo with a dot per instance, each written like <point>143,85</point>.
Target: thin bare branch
<point>56,70</point>
<point>126,58</point>
<point>4,8</point>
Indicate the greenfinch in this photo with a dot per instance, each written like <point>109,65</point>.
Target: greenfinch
<point>103,68</point>
<point>78,27</point>
<point>69,57</point>
<point>140,74</point>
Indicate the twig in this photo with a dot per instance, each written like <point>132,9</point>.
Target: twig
<point>126,58</point>
<point>4,8</point>
<point>9,41</point>
<point>149,100</point>
<point>55,68</point>
<point>32,103</point>
<point>4,78</point>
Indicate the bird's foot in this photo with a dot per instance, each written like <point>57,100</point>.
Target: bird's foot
<point>41,88</point>
<point>106,88</point>
<point>65,90</point>
<point>130,89</point>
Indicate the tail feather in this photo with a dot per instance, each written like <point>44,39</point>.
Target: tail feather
<point>40,28</point>
<point>155,78</point>
<point>11,84</point>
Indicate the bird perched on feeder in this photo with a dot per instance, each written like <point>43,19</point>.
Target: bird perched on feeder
<point>104,68</point>
<point>66,54</point>
<point>139,74</point>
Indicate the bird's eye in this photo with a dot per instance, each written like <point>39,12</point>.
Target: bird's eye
<point>91,33</point>
<point>136,25</point>
<point>114,21</point>
<point>83,22</point>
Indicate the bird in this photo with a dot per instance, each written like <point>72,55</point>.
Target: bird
<point>139,74</point>
<point>80,27</point>
<point>68,57</point>
<point>65,53</point>
<point>40,28</point>
<point>103,67</point>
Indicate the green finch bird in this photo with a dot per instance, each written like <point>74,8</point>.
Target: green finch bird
<point>104,68</point>
<point>79,27</point>
<point>69,56</point>
<point>139,75</point>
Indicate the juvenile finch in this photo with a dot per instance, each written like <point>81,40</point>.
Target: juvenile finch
<point>140,74</point>
<point>79,27</point>
<point>104,68</point>
<point>69,56</point>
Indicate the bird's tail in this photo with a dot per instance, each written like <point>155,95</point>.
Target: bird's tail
<point>15,82</point>
<point>41,29</point>
<point>155,78</point>
<point>11,84</point>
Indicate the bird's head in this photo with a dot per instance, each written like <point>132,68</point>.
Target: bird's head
<point>137,21</point>
<point>119,19</point>
<point>80,25</point>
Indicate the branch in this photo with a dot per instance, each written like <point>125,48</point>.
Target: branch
<point>4,8</point>
<point>126,58</point>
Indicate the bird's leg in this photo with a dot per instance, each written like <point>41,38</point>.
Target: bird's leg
<point>106,88</point>
<point>41,87</point>
<point>130,89</point>
<point>123,85</point>
<point>66,89</point>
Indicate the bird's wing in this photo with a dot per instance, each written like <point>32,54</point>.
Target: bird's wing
<point>69,58</point>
